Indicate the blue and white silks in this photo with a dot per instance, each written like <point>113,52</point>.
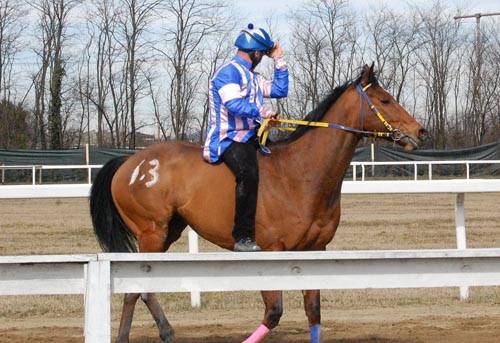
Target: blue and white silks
<point>236,97</point>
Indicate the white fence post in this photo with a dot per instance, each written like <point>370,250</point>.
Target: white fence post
<point>461,235</point>
<point>372,150</point>
<point>193,249</point>
<point>98,302</point>
<point>87,162</point>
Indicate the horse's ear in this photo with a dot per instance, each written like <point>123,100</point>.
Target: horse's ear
<point>365,74</point>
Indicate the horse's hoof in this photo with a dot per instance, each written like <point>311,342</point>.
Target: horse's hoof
<point>167,336</point>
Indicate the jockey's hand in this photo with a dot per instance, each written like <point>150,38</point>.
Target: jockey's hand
<point>276,51</point>
<point>267,113</point>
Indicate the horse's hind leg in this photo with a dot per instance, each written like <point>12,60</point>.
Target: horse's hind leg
<point>312,306</point>
<point>175,228</point>
<point>153,241</point>
<point>166,331</point>
<point>273,301</point>
<point>129,301</point>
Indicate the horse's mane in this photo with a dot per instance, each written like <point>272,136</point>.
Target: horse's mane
<point>319,112</point>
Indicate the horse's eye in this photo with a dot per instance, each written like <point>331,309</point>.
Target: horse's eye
<point>385,101</point>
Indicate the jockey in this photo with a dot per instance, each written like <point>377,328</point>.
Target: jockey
<point>236,96</point>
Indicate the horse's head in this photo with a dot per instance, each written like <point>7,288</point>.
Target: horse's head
<point>382,113</point>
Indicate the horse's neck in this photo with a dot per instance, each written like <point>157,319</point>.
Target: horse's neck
<point>321,156</point>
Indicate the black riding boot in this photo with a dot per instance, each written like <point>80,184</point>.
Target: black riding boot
<point>241,158</point>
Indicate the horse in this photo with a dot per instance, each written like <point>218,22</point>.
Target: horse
<point>149,198</point>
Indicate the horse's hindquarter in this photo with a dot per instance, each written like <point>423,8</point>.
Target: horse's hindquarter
<point>169,178</point>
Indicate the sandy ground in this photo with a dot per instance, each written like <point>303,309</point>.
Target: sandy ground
<point>368,222</point>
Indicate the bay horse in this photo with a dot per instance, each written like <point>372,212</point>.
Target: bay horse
<point>150,197</point>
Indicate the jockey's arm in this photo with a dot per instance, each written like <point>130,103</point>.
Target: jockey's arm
<point>278,86</point>
<point>232,96</point>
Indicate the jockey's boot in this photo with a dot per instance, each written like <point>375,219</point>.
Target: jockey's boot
<point>246,245</point>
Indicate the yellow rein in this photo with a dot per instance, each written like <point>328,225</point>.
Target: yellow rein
<point>264,129</point>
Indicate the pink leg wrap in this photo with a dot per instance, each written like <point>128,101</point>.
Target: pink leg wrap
<point>258,335</point>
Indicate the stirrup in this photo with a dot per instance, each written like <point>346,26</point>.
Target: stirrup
<point>246,245</point>
<point>264,150</point>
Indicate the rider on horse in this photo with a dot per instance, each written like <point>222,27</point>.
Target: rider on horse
<point>236,110</point>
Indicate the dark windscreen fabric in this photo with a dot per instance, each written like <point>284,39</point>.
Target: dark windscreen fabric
<point>381,154</point>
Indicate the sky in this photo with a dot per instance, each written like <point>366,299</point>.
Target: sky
<point>257,10</point>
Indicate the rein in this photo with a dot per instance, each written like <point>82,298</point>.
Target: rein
<point>392,133</point>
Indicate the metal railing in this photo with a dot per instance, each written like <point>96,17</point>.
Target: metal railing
<point>416,164</point>
<point>39,168</point>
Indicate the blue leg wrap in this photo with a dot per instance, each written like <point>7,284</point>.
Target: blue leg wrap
<point>315,333</point>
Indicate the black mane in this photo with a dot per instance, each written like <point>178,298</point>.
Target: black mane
<point>319,112</point>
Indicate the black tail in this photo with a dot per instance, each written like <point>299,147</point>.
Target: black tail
<point>111,232</point>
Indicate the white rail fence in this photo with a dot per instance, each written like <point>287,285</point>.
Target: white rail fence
<point>417,166</point>
<point>458,187</point>
<point>97,276</point>
<point>355,166</point>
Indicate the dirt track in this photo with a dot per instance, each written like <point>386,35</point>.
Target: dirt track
<point>459,324</point>
<point>432,315</point>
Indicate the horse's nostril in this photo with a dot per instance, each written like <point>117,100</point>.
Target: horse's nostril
<point>423,134</point>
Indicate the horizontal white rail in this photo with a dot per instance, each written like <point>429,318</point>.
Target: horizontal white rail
<point>415,164</point>
<point>45,191</point>
<point>52,167</point>
<point>98,276</point>
<point>421,186</point>
<point>441,162</point>
<point>354,165</point>
<point>348,187</point>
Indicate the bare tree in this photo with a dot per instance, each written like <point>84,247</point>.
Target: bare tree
<point>13,117</point>
<point>394,41</point>
<point>53,22</point>
<point>102,27</point>
<point>439,40</point>
<point>194,21</point>
<point>324,40</point>
<point>83,88</point>
<point>482,87</point>
<point>134,19</point>
<point>44,52</point>
<point>154,93</point>
<point>11,29</point>
<point>216,53</point>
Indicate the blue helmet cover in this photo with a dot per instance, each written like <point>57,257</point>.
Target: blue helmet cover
<point>253,39</point>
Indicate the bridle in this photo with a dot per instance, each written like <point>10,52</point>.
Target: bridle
<point>393,133</point>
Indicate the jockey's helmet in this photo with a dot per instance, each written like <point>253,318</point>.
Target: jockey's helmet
<point>254,39</point>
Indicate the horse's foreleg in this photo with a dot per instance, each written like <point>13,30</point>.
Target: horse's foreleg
<point>273,301</point>
<point>312,306</point>
<point>129,301</point>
